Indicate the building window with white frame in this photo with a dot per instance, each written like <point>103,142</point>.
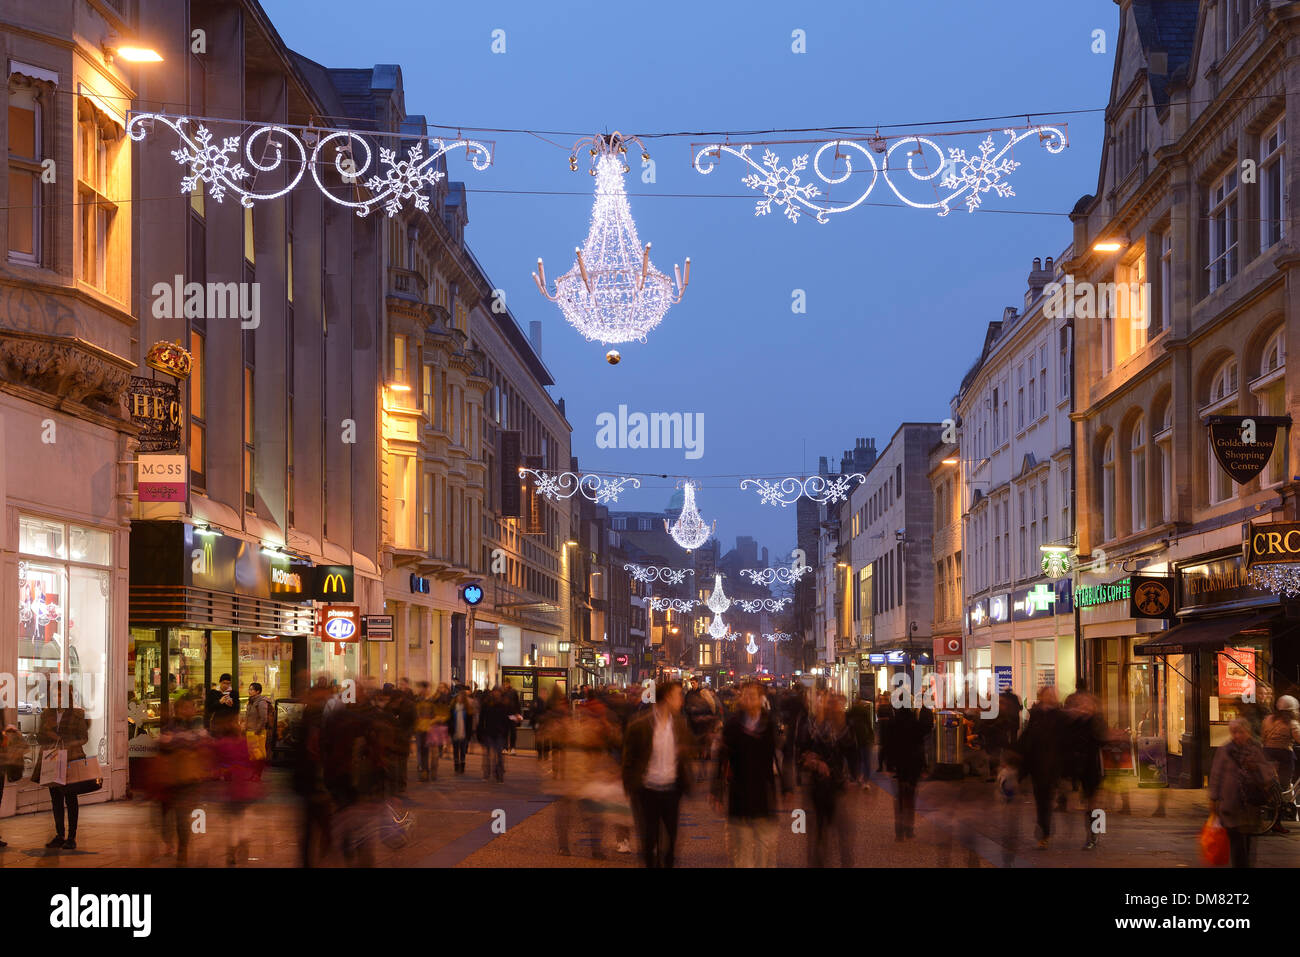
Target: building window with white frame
<point>1269,389</point>
<point>1223,401</point>
<point>1063,360</point>
<point>1138,475</point>
<point>1272,185</point>
<point>1223,229</point>
<point>1164,442</point>
<point>1165,317</point>
<point>1042,379</point>
<point>25,147</point>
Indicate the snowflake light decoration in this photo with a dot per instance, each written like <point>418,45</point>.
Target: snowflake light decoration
<point>682,605</point>
<point>777,636</point>
<point>613,293</point>
<point>690,531</point>
<point>824,490</point>
<point>762,604</point>
<point>301,148</point>
<point>652,573</point>
<point>964,177</point>
<point>782,574</point>
<point>596,488</point>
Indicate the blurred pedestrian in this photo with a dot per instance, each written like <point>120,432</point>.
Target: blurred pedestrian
<point>905,757</point>
<point>864,739</point>
<point>656,772</point>
<point>884,712</point>
<point>183,767</point>
<point>459,727</point>
<point>1240,779</point>
<point>1085,728</point>
<point>235,788</point>
<point>514,714</point>
<point>308,781</point>
<point>494,722</point>
<point>1281,732</point>
<point>746,781</point>
<point>829,752</point>
<point>1041,748</point>
<point>401,705</point>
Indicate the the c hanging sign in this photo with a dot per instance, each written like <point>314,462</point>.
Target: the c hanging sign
<point>1271,543</point>
<point>1243,444</point>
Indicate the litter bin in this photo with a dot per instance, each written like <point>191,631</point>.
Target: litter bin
<point>948,764</point>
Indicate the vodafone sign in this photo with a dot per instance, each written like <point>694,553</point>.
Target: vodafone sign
<point>948,647</point>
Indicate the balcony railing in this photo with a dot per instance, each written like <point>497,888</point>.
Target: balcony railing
<point>407,284</point>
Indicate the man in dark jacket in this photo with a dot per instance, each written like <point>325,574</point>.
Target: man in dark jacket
<point>1041,748</point>
<point>747,779</point>
<point>494,722</point>
<point>514,714</point>
<point>829,750</point>
<point>656,772</point>
<point>401,704</point>
<point>221,704</point>
<point>1086,734</point>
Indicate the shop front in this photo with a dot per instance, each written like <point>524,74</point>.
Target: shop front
<point>1226,657</point>
<point>204,604</point>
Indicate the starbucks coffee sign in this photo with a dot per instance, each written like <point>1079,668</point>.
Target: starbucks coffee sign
<point>1243,444</point>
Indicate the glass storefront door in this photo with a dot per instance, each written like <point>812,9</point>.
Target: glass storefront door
<point>269,662</point>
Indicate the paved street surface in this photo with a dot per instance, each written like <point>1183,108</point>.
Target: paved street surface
<point>959,824</point>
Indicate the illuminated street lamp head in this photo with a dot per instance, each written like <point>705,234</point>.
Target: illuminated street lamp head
<point>1109,245</point>
<point>130,52</point>
<point>951,460</point>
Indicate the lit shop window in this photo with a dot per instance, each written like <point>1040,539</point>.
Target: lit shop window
<point>64,615</point>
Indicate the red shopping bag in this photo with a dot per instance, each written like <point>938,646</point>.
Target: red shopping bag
<point>1214,843</point>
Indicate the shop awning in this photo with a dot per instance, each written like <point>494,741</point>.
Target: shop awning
<point>1204,634</point>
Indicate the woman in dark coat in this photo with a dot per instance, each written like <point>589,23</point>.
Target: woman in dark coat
<point>1041,747</point>
<point>62,726</point>
<point>905,756</point>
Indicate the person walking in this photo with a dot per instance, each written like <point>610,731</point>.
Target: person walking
<point>1085,727</point>
<point>514,714</point>
<point>423,731</point>
<point>746,781</point>
<point>257,722</point>
<point>62,727</point>
<point>884,712</point>
<point>1281,732</point>
<point>1240,778</point>
<point>1041,747</point>
<point>495,722</point>
<point>183,756</point>
<point>459,723</point>
<point>864,739</point>
<point>656,772</point>
<point>905,757</point>
<point>829,753</point>
<point>308,781</point>
<point>401,705</point>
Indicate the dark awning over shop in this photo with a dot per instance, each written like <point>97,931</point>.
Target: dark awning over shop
<point>1205,634</point>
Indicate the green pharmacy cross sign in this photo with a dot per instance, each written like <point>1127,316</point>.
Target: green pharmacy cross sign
<point>1040,597</point>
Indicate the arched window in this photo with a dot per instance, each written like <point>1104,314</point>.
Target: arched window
<point>1138,475</point>
<point>1108,489</point>
<point>1223,401</point>
<point>1269,389</point>
<point>1164,442</point>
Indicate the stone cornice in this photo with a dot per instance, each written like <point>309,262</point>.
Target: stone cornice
<point>68,368</point>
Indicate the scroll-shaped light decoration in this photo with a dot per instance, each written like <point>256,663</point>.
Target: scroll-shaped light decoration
<point>652,573</point>
<point>683,605</point>
<point>595,488</point>
<point>777,636</point>
<point>613,293</point>
<point>763,604</point>
<point>766,576</point>
<point>824,490</point>
<point>948,178</point>
<point>301,148</point>
<point>690,531</point>
<point>718,602</point>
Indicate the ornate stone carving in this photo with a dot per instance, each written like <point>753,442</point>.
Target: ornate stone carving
<point>67,368</point>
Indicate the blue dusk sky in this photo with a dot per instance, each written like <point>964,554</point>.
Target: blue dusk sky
<point>897,299</point>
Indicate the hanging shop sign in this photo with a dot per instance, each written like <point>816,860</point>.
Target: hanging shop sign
<point>1042,601</point>
<point>290,580</point>
<point>333,583</point>
<point>949,647</point>
<point>339,623</point>
<point>419,586</point>
<point>1217,582</point>
<point>621,661</point>
<point>472,594</point>
<point>1151,596</point>
<point>1270,543</point>
<point>377,627</point>
<point>162,478</point>
<point>1089,595</point>
<point>1243,444</point>
<point>876,658</point>
<point>155,408</point>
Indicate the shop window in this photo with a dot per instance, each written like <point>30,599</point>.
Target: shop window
<point>64,617</point>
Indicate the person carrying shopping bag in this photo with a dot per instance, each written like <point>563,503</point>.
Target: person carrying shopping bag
<point>257,722</point>
<point>62,734</point>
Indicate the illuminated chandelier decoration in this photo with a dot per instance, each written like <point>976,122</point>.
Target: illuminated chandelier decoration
<point>613,293</point>
<point>690,530</point>
<point>777,636</point>
<point>653,573</point>
<point>1282,578</point>
<point>219,168</point>
<point>824,490</point>
<point>718,602</point>
<point>750,646</point>
<point>782,574</point>
<point>763,604</point>
<point>719,630</point>
<point>960,176</point>
<point>683,605</point>
<point>561,485</point>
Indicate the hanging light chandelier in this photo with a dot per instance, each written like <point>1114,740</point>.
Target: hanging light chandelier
<point>718,601</point>
<point>613,293</point>
<point>690,531</point>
